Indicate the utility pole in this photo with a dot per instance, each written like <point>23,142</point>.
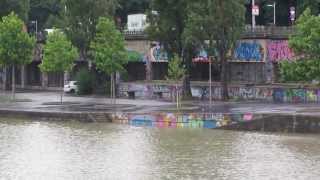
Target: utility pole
<point>253,16</point>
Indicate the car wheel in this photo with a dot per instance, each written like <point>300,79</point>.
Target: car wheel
<point>72,91</point>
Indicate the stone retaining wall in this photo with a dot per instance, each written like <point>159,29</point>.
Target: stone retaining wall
<point>278,94</point>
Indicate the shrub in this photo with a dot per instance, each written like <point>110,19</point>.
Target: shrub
<point>85,82</point>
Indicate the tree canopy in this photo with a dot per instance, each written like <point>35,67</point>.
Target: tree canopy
<point>108,48</point>
<point>81,19</point>
<point>16,47</point>
<point>59,54</point>
<point>305,43</point>
<point>217,25</point>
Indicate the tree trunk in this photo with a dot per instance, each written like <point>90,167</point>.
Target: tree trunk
<point>13,88</point>
<point>224,77</point>
<point>4,78</point>
<point>186,90</point>
<point>61,86</point>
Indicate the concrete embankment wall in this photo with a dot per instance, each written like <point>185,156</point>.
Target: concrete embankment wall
<point>56,116</point>
<point>280,123</point>
<point>268,93</point>
<point>234,121</point>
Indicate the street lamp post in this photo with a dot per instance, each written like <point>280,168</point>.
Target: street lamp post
<point>36,23</point>
<point>274,11</point>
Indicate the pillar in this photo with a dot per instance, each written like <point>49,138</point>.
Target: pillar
<point>44,80</point>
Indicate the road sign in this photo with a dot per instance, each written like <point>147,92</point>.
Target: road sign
<point>255,10</point>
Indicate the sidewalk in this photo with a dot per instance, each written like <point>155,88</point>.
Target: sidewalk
<point>49,102</point>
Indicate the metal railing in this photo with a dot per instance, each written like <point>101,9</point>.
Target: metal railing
<point>249,32</point>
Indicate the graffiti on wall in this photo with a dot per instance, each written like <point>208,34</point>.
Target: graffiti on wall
<point>192,120</point>
<point>249,51</point>
<point>158,54</point>
<point>279,50</point>
<point>276,94</point>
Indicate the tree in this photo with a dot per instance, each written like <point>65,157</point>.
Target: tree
<point>302,5</point>
<point>16,47</point>
<point>59,55</point>
<point>132,7</point>
<point>44,11</point>
<point>176,73</point>
<point>81,19</point>
<point>305,44</point>
<point>108,50</point>
<point>20,7</point>
<point>167,24</point>
<point>217,25</point>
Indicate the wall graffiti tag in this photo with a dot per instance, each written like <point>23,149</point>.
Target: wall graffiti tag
<point>249,51</point>
<point>176,120</point>
<point>279,50</point>
<point>158,54</point>
<point>275,94</point>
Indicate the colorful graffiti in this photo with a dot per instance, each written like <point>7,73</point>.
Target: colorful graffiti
<point>279,50</point>
<point>249,51</point>
<point>275,94</point>
<point>172,120</point>
<point>158,54</point>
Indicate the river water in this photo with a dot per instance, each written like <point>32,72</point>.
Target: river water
<point>73,150</point>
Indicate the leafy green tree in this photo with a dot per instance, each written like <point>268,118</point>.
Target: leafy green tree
<point>81,18</point>
<point>85,81</point>
<point>176,73</point>
<point>16,47</point>
<point>168,20</point>
<point>305,43</point>
<point>302,5</point>
<point>217,25</point>
<point>59,55</point>
<point>108,50</point>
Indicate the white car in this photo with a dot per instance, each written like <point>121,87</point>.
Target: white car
<point>71,87</point>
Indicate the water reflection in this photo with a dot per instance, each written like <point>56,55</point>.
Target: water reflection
<point>73,150</point>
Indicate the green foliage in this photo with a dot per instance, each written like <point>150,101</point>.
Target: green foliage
<point>305,43</point>
<point>176,71</point>
<point>300,71</point>
<point>81,18</point>
<point>215,24</point>
<point>85,82</point>
<point>19,7</point>
<point>167,26</point>
<point>306,40</point>
<point>134,56</point>
<point>302,5</point>
<point>44,10</point>
<point>16,47</point>
<point>108,47</point>
<point>59,53</point>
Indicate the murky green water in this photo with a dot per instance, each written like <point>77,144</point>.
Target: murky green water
<point>72,150</point>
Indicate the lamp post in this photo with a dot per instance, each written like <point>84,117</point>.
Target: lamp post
<point>274,11</point>
<point>36,24</point>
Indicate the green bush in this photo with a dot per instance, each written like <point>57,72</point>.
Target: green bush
<point>300,71</point>
<point>85,82</point>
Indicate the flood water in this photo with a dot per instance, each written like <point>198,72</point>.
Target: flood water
<point>73,150</point>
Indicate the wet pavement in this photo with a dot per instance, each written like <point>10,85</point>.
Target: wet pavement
<point>49,102</point>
